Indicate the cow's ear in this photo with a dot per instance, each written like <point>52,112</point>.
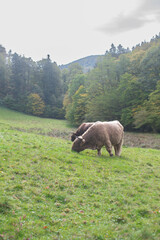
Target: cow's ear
<point>73,137</point>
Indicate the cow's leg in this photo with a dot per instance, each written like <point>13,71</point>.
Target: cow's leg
<point>109,148</point>
<point>118,148</point>
<point>99,152</point>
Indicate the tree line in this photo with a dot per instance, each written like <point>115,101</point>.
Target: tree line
<point>32,87</point>
<point>124,85</point>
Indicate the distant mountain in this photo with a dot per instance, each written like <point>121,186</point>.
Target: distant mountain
<point>87,63</point>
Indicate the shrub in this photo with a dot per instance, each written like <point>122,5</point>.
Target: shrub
<point>35,104</point>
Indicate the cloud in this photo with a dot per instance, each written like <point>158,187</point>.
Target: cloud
<point>124,23</point>
<point>147,12</point>
<point>150,6</point>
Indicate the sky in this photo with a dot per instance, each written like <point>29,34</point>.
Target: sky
<point>68,30</point>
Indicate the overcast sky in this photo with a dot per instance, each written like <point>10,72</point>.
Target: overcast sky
<point>72,29</point>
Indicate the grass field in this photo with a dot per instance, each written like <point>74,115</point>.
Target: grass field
<point>49,192</point>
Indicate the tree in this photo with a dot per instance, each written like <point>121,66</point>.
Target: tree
<point>120,50</point>
<point>77,109</point>
<point>51,81</point>
<point>113,50</point>
<point>122,66</point>
<point>131,95</point>
<point>101,84</point>
<point>21,80</point>
<point>35,105</point>
<point>149,113</point>
<point>51,85</point>
<point>68,75</point>
<point>75,83</point>
<point>150,68</point>
<point>18,76</point>
<point>117,51</point>
<point>3,73</point>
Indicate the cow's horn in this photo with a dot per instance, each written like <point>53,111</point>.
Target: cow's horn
<point>80,138</point>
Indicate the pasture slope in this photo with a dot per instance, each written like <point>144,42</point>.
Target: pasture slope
<point>49,192</point>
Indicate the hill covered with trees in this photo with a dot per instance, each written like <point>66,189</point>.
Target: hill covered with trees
<point>87,63</point>
<point>32,87</point>
<point>123,85</point>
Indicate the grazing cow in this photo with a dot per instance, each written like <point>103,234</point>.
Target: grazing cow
<point>81,129</point>
<point>101,134</point>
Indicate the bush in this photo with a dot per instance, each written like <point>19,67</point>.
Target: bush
<point>35,104</point>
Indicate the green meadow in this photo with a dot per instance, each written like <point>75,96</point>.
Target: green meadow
<point>49,192</point>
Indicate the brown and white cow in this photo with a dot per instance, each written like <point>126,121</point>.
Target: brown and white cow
<point>81,129</point>
<point>101,134</point>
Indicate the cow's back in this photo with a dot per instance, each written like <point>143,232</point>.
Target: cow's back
<point>83,127</point>
<point>114,130</point>
<point>100,132</point>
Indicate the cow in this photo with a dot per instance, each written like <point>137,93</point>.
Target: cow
<point>81,129</point>
<point>101,134</point>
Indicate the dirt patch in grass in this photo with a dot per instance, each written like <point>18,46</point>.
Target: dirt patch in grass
<point>142,140</point>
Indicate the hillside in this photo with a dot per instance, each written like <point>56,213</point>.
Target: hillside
<point>87,63</point>
<point>50,192</point>
<point>61,129</point>
<point>121,86</point>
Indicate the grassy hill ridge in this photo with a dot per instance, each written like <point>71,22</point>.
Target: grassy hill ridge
<point>50,192</point>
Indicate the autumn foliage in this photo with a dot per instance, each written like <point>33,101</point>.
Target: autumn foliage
<point>35,105</point>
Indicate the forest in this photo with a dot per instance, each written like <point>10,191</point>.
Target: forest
<point>123,85</point>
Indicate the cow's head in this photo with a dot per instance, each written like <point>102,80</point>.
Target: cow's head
<point>79,144</point>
